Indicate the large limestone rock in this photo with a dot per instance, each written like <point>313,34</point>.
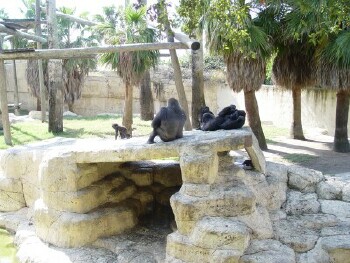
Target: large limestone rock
<point>259,222</point>
<point>338,247</point>
<point>335,207</point>
<point>298,237</point>
<point>222,201</point>
<point>303,179</point>
<point>66,229</point>
<point>221,233</point>
<point>179,247</point>
<point>11,194</point>
<point>299,203</point>
<point>113,189</point>
<point>269,250</point>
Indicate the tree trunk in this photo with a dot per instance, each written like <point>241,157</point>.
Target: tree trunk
<point>55,73</point>
<point>341,141</point>
<point>146,99</point>
<point>252,109</point>
<point>198,100</point>
<point>127,115</point>
<point>38,104</point>
<point>296,131</point>
<point>4,102</point>
<point>15,93</point>
<point>55,96</point>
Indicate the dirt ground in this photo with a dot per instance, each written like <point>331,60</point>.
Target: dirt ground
<point>315,153</point>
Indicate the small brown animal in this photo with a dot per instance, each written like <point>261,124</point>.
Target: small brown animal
<point>121,131</point>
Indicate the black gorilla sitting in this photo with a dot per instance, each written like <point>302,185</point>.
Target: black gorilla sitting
<point>228,118</point>
<point>168,123</point>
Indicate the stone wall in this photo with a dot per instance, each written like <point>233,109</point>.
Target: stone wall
<point>104,92</point>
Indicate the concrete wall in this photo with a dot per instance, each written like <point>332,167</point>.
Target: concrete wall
<point>104,92</point>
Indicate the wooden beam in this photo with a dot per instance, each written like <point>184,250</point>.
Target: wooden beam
<point>21,34</point>
<point>190,43</point>
<point>4,102</point>
<point>88,51</point>
<point>76,19</point>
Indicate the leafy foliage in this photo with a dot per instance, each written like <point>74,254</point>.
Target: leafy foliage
<point>71,34</point>
<point>229,25</point>
<point>130,65</point>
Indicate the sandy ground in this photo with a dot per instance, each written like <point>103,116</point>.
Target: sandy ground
<point>317,149</point>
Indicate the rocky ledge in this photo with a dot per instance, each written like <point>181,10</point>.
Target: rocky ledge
<point>89,194</point>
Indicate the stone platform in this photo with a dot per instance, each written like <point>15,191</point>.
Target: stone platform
<point>80,192</point>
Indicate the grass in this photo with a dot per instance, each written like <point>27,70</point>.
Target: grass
<point>74,127</point>
<point>7,248</point>
<point>98,126</point>
<point>299,158</point>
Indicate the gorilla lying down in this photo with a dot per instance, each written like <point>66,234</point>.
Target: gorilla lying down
<point>228,118</point>
<point>168,123</point>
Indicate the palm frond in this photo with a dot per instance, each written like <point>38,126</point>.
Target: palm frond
<point>337,51</point>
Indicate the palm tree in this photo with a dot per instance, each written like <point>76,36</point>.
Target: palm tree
<point>146,99</point>
<point>293,69</point>
<point>326,24</point>
<point>74,70</point>
<point>232,32</point>
<point>333,72</point>
<point>131,27</point>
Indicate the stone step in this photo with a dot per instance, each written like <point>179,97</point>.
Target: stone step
<point>221,233</point>
<point>222,201</point>
<point>181,249</point>
<point>113,188</point>
<point>65,229</point>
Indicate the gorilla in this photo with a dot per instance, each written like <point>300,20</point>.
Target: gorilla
<point>228,118</point>
<point>168,123</point>
<point>121,131</point>
<point>202,111</point>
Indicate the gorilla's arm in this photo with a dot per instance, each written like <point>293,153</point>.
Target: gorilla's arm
<point>227,110</point>
<point>161,115</point>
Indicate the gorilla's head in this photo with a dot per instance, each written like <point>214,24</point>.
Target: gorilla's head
<point>173,103</point>
<point>207,117</point>
<point>204,109</point>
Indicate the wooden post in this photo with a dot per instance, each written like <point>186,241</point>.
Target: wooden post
<point>40,63</point>
<point>198,100</point>
<point>3,100</point>
<point>55,73</point>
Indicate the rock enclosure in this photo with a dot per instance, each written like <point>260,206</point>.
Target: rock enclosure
<point>84,195</point>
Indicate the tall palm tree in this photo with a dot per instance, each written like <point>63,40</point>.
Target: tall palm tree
<point>74,70</point>
<point>333,72</point>
<point>130,27</point>
<point>293,65</point>
<point>146,99</point>
<point>293,69</point>
<point>326,24</point>
<point>233,32</point>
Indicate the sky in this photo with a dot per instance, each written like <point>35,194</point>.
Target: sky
<point>12,7</point>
